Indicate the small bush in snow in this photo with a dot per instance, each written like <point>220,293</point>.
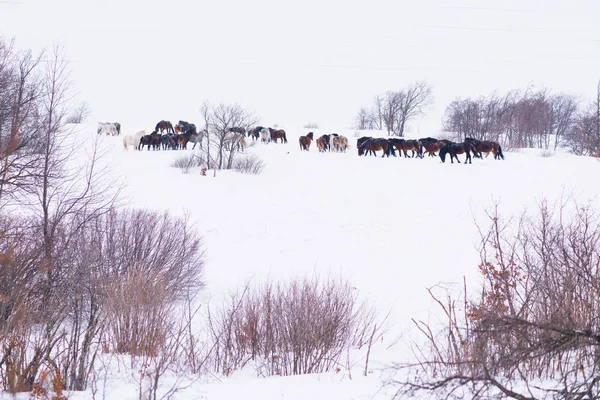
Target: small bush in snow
<point>300,327</point>
<point>311,125</point>
<point>249,164</point>
<point>188,161</point>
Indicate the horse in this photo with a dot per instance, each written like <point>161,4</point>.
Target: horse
<point>404,146</point>
<point>265,135</point>
<point>305,141</point>
<point>236,140</point>
<point>132,140</point>
<point>340,143</point>
<point>197,137</point>
<point>109,128</point>
<point>237,129</point>
<point>361,140</point>
<point>456,148</point>
<point>254,133</point>
<point>431,145</point>
<point>277,134</point>
<point>322,143</point>
<point>486,146</point>
<point>330,142</point>
<point>374,145</point>
<point>169,141</point>
<point>163,125</point>
<point>152,139</point>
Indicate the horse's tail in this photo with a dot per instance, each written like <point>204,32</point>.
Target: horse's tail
<point>500,151</point>
<point>284,138</point>
<point>443,152</point>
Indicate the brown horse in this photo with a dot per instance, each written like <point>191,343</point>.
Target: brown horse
<point>322,143</point>
<point>278,134</point>
<point>456,148</point>
<point>305,141</point>
<point>485,146</point>
<point>178,128</point>
<point>374,145</point>
<point>404,146</point>
<point>431,145</point>
<point>164,126</point>
<point>340,143</point>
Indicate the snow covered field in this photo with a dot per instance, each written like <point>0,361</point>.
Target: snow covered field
<point>393,227</point>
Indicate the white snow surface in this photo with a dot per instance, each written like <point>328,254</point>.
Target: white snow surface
<point>392,226</point>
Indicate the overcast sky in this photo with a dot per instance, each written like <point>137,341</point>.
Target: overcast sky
<point>137,62</point>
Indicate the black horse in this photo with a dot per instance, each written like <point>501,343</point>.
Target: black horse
<point>454,149</point>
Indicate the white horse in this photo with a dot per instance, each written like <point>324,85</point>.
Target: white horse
<point>132,140</point>
<point>265,135</point>
<point>236,140</point>
<point>110,128</point>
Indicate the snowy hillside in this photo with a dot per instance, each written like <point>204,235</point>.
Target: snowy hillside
<point>392,226</point>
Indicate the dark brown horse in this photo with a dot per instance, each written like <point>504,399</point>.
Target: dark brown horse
<point>404,146</point>
<point>454,149</point>
<point>374,145</point>
<point>485,146</point>
<point>278,134</point>
<point>152,139</point>
<point>164,126</point>
<point>361,140</point>
<point>305,141</point>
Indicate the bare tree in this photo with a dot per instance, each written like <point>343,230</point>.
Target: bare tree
<point>20,92</point>
<point>220,119</point>
<point>417,98</point>
<point>395,109</point>
<point>59,192</point>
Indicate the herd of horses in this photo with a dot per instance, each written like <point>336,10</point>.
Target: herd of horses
<point>369,145</point>
<point>166,136</point>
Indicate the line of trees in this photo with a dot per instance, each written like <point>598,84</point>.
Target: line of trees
<point>529,118</point>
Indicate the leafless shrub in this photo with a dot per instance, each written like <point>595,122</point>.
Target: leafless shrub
<point>296,328</point>
<point>311,125</point>
<point>533,330</point>
<point>188,161</point>
<point>249,164</point>
<point>151,262</point>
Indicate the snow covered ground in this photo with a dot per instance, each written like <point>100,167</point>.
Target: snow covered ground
<point>393,227</point>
